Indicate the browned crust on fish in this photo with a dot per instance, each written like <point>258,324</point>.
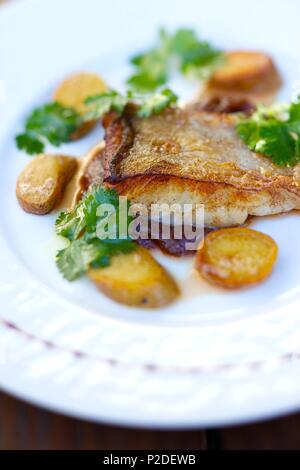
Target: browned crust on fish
<point>225,205</point>
<point>187,156</point>
<point>191,145</point>
<point>119,139</point>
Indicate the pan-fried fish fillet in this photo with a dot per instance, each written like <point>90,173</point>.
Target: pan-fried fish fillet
<point>184,155</point>
<point>225,205</point>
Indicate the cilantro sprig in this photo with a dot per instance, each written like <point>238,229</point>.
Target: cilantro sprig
<point>102,103</point>
<point>80,227</point>
<point>156,103</point>
<point>181,50</point>
<point>55,124</point>
<point>51,123</point>
<point>145,104</point>
<point>275,132</point>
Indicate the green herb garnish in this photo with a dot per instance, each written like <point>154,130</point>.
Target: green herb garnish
<point>145,104</point>
<point>51,123</point>
<point>55,124</point>
<point>274,132</point>
<point>105,102</point>
<point>81,228</point>
<point>182,50</point>
<point>156,103</point>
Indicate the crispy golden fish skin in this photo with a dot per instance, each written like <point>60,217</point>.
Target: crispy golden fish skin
<point>196,145</point>
<point>185,156</point>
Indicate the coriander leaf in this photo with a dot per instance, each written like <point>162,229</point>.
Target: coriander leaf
<point>277,143</point>
<point>80,225</point>
<point>274,132</point>
<point>97,196</point>
<point>54,121</point>
<point>294,112</point>
<point>51,123</point>
<point>152,67</point>
<point>151,70</point>
<point>101,262</point>
<point>70,224</point>
<point>156,103</point>
<point>145,82</point>
<point>184,43</point>
<point>30,142</point>
<point>249,132</point>
<point>183,50</point>
<point>198,58</point>
<point>79,256</point>
<point>145,104</point>
<point>104,102</point>
<point>120,246</point>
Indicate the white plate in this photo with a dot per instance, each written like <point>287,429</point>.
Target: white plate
<point>214,357</point>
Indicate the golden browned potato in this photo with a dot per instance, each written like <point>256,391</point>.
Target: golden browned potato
<point>136,279</point>
<point>243,69</point>
<point>236,257</point>
<point>74,90</point>
<point>41,184</point>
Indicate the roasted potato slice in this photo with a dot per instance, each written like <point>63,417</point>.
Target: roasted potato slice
<point>41,184</point>
<point>136,279</point>
<point>74,90</point>
<point>236,257</point>
<point>243,69</point>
